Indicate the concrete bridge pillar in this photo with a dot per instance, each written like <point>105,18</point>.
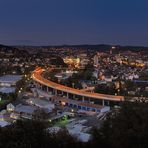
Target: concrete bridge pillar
<point>83,100</point>
<point>55,92</point>
<point>41,86</point>
<point>103,102</point>
<point>68,95</point>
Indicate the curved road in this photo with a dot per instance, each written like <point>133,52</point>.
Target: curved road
<point>36,75</point>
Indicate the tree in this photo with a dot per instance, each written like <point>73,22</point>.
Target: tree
<point>58,61</point>
<point>104,89</point>
<point>127,127</point>
<point>33,134</point>
<point>40,115</point>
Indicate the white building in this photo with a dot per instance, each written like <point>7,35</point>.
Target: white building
<point>9,80</point>
<point>10,107</point>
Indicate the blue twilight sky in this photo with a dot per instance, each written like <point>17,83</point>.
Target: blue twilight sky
<point>56,22</point>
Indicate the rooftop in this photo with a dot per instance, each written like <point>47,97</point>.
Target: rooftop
<point>77,102</point>
<point>10,78</point>
<point>39,102</point>
<point>25,109</point>
<point>7,89</point>
<point>4,123</point>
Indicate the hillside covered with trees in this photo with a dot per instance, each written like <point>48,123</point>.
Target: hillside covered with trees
<point>124,128</point>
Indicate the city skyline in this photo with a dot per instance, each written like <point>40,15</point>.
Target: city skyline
<point>57,22</point>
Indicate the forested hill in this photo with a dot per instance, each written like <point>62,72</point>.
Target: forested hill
<point>8,51</point>
<point>99,47</point>
<point>19,50</point>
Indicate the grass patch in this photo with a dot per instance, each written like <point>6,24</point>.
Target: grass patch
<point>3,102</point>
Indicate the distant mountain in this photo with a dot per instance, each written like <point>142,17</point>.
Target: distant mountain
<point>100,47</point>
<point>4,46</point>
<point>93,47</point>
